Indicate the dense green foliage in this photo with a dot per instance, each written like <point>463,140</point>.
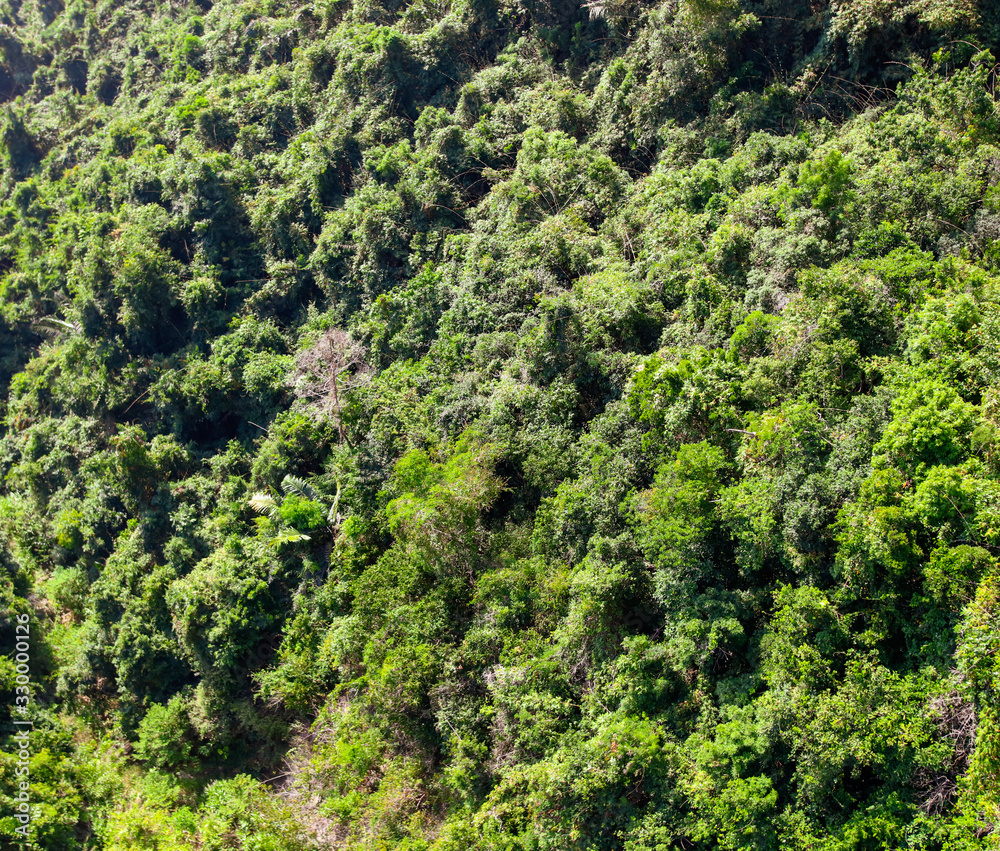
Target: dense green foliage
<point>501,424</point>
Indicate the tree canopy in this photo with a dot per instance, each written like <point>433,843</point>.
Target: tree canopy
<point>500,424</point>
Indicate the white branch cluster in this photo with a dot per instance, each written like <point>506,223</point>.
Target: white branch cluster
<point>327,371</point>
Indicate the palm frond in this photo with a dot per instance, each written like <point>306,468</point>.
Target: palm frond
<point>332,517</point>
<point>300,487</point>
<point>51,326</point>
<point>264,503</point>
<point>288,536</point>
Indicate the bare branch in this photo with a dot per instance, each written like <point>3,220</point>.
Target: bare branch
<point>325,373</point>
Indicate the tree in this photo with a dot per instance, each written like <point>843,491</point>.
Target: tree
<point>327,371</point>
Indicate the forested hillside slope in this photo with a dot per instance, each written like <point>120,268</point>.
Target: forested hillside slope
<point>500,424</point>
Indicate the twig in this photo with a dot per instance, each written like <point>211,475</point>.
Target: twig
<point>136,399</point>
